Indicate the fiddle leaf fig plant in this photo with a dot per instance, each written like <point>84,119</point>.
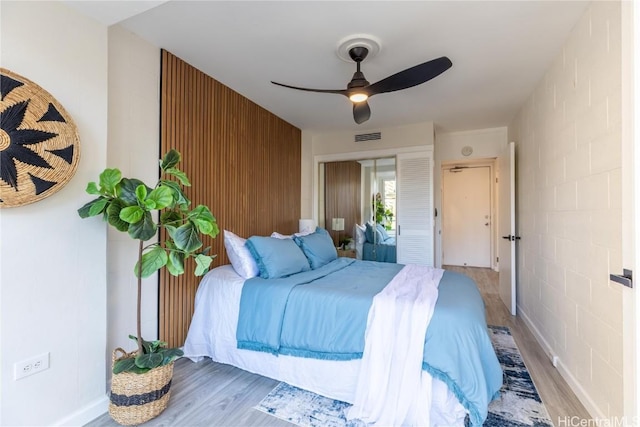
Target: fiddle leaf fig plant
<point>129,205</point>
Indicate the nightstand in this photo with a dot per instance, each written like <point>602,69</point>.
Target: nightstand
<point>348,253</point>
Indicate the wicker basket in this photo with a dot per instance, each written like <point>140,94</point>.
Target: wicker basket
<point>137,398</point>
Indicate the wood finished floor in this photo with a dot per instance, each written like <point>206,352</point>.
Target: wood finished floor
<point>213,394</point>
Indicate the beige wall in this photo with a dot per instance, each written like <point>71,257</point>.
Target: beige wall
<point>53,287</point>
<point>487,145</point>
<point>134,141</point>
<point>568,136</point>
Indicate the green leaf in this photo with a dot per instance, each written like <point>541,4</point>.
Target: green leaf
<point>178,195</point>
<point>175,265</point>
<point>203,212</point>
<point>98,207</point>
<point>149,205</point>
<point>157,346</point>
<point>84,211</point>
<point>162,196</point>
<point>202,264</point>
<point>128,190</point>
<point>92,188</point>
<point>143,229</point>
<point>109,178</point>
<point>168,217</point>
<point>171,230</point>
<point>215,231</point>
<point>170,159</point>
<point>186,238</point>
<point>124,365</point>
<point>149,360</point>
<point>170,354</point>
<point>149,346</point>
<point>152,261</point>
<point>182,177</point>
<point>113,215</point>
<point>141,192</point>
<point>132,214</point>
<point>204,220</point>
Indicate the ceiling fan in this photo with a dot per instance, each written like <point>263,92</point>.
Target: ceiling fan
<point>359,90</point>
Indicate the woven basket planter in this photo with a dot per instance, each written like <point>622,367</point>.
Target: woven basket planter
<point>138,398</point>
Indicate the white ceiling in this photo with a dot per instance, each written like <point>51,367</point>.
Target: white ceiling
<point>499,49</point>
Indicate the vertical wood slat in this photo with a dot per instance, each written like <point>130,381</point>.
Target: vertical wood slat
<point>343,195</point>
<point>243,162</point>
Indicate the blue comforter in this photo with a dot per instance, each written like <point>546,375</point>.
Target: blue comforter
<point>382,252</point>
<point>332,305</point>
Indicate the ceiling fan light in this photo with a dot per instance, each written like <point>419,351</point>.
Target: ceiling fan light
<point>358,97</point>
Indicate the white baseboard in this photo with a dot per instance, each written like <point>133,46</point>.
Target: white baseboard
<point>84,415</point>
<point>575,385</point>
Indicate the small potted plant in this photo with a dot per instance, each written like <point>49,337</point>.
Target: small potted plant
<point>141,379</point>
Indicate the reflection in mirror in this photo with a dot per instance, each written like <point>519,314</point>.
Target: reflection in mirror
<point>360,196</point>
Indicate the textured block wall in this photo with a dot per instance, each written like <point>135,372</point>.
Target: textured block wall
<point>568,137</point>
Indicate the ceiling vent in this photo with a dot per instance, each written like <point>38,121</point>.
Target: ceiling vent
<point>368,137</point>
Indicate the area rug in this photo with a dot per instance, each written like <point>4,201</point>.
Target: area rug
<point>518,405</point>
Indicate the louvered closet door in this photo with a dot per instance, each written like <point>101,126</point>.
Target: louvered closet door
<point>415,208</point>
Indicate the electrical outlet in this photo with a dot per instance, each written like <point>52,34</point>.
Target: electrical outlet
<point>554,361</point>
<point>31,366</point>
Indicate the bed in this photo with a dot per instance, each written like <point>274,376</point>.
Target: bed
<point>373,243</point>
<point>233,325</point>
<point>384,251</point>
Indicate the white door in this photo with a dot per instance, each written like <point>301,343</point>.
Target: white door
<point>507,226</point>
<point>414,201</point>
<point>466,216</point>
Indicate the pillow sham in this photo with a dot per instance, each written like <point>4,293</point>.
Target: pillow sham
<point>373,234</point>
<point>241,259</point>
<point>277,257</point>
<point>383,231</point>
<point>317,247</point>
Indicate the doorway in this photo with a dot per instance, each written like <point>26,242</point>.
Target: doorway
<point>467,220</point>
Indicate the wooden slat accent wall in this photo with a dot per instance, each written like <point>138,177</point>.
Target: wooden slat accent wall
<point>243,162</point>
<point>342,195</point>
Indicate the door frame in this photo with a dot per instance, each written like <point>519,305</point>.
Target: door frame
<point>491,163</point>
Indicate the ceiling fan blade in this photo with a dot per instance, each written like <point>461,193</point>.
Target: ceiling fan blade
<point>411,76</point>
<point>338,91</point>
<point>361,112</point>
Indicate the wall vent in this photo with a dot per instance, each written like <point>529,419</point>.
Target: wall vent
<point>368,137</point>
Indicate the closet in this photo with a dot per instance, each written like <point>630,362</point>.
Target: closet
<point>346,186</point>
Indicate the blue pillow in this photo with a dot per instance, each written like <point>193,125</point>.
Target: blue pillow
<point>317,247</point>
<point>277,257</point>
<point>373,234</point>
<point>383,231</point>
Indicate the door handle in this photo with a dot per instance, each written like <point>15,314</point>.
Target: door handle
<point>511,238</point>
<point>507,237</point>
<point>626,278</point>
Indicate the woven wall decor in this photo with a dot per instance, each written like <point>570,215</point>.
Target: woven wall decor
<point>39,143</point>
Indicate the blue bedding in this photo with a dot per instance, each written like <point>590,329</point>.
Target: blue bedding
<point>332,303</point>
<point>381,252</point>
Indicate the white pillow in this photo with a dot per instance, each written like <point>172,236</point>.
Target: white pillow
<point>360,238</point>
<point>359,233</point>
<point>241,259</point>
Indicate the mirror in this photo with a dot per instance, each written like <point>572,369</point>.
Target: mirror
<point>356,192</point>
